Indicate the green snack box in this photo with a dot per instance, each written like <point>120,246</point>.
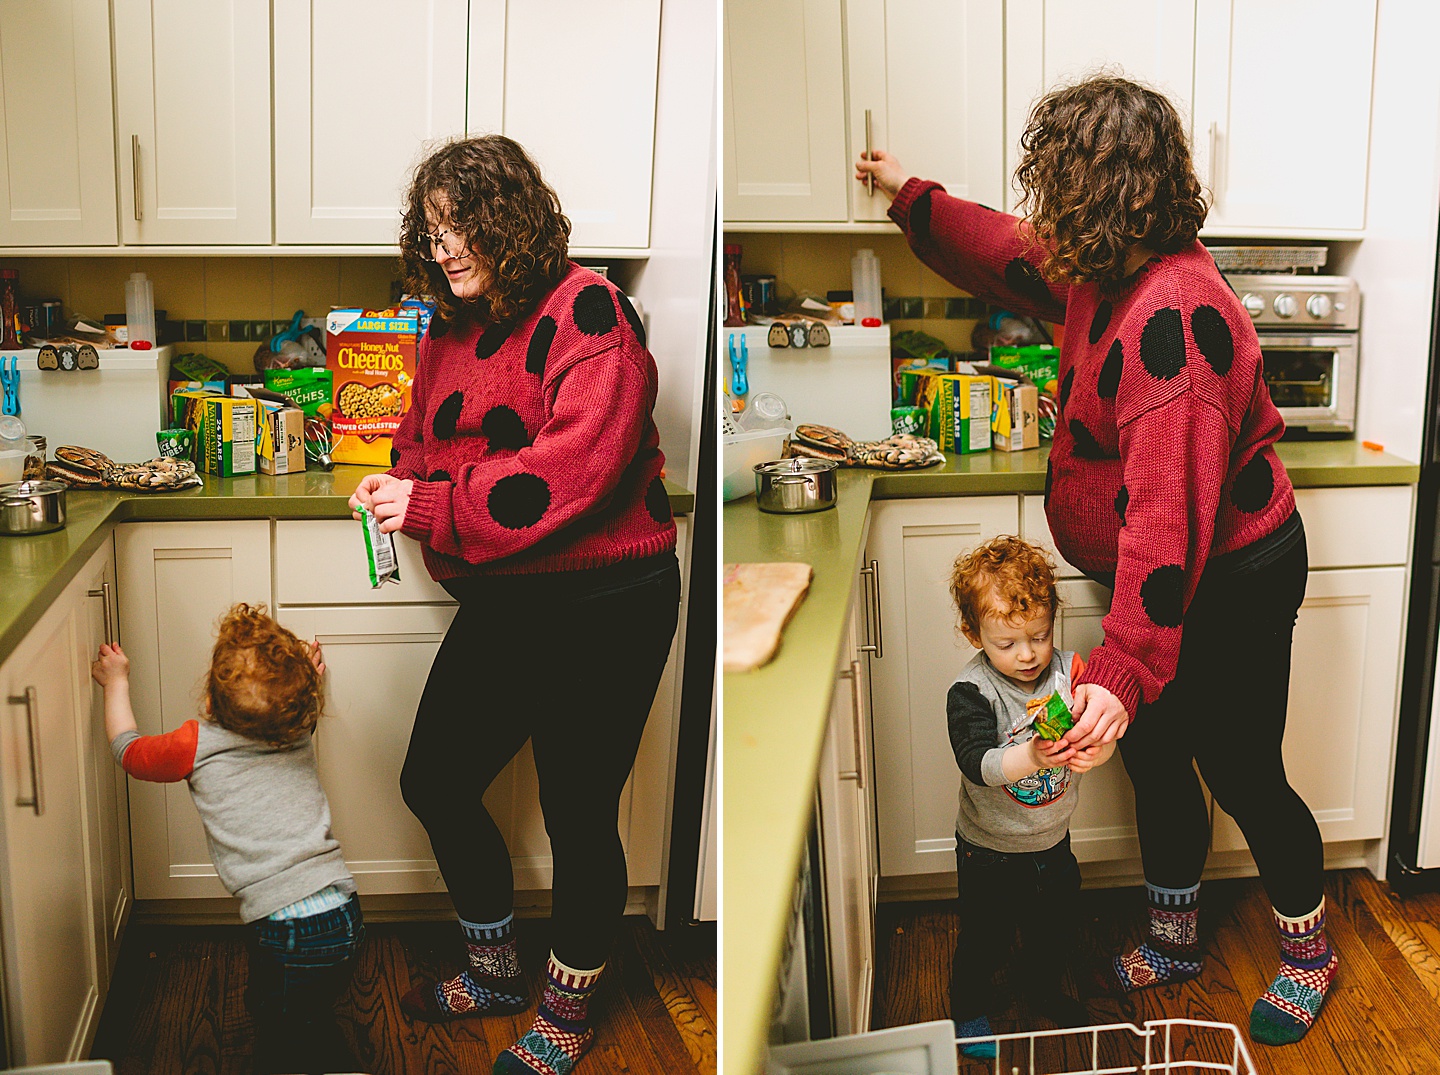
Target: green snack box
<point>307,388</point>
<point>1053,718</point>
<point>1039,362</point>
<point>907,420</point>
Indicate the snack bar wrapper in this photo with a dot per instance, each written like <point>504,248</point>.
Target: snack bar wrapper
<point>1052,716</point>
<point>379,551</point>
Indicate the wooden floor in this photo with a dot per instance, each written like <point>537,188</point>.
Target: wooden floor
<point>177,1003</point>
<point>1383,1013</point>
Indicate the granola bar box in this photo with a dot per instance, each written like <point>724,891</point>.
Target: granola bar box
<point>371,358</point>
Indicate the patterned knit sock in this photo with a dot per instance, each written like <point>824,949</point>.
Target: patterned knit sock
<point>492,984</point>
<point>1172,951</point>
<point>1307,967</point>
<point>561,1032</point>
<point>976,1028</point>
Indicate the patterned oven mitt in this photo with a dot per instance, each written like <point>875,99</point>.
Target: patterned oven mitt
<point>85,468</point>
<point>903,451</point>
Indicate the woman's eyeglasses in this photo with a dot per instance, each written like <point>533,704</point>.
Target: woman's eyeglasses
<point>454,246</point>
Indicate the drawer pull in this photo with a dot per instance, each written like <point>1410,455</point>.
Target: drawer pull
<point>104,594</point>
<point>871,575</point>
<point>135,171</point>
<point>32,723</point>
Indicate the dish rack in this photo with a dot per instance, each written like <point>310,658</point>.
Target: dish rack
<point>1157,1036</point>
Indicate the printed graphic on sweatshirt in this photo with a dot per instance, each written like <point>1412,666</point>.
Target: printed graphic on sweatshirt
<point>1040,789</point>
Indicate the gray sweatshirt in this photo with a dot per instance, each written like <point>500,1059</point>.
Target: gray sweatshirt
<point>983,709</point>
<point>266,817</point>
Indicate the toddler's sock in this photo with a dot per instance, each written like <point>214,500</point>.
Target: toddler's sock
<point>492,984</point>
<point>1172,951</point>
<point>976,1028</point>
<point>1307,968</point>
<point>561,1032</point>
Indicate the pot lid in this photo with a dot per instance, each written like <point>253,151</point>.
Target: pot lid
<point>798,465</point>
<point>27,488</point>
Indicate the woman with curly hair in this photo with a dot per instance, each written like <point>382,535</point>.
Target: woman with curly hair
<point>1163,484</point>
<point>529,470</point>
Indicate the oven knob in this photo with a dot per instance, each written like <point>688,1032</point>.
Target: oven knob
<point>1285,305</point>
<point>1319,306</point>
<point>1253,303</point>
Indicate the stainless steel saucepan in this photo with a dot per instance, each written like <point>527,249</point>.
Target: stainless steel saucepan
<point>32,507</point>
<point>794,486</point>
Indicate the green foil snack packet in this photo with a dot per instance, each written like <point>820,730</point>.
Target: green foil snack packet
<point>1052,716</point>
<point>379,551</point>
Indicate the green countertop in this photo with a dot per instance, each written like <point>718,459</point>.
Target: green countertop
<point>775,716</point>
<point>34,570</point>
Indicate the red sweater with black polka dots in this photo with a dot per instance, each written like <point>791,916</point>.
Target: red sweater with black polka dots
<point>532,446</point>
<point>1163,454</point>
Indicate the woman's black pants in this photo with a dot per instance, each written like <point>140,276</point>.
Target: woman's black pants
<point>570,662</point>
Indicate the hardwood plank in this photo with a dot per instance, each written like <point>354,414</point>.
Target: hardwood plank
<point>694,1022</point>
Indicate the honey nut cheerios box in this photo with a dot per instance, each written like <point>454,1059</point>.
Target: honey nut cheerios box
<point>371,357</point>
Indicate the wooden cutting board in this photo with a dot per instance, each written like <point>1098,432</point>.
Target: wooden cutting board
<point>759,600</point>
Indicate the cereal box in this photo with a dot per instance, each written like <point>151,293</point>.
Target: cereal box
<point>225,427</point>
<point>371,356</point>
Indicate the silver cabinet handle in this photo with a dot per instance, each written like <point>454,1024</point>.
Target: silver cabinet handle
<point>32,722</point>
<point>877,647</point>
<point>869,176</point>
<point>135,171</point>
<point>1215,159</point>
<point>104,594</point>
<point>858,773</point>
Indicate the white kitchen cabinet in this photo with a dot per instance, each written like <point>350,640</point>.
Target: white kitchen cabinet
<point>52,951</point>
<point>361,87</point>
<point>1035,528</point>
<point>915,543</point>
<point>57,138</point>
<point>949,129</point>
<point>590,125</point>
<point>176,580</point>
<point>1051,43</point>
<point>1252,129</point>
<point>785,157</point>
<point>192,115</point>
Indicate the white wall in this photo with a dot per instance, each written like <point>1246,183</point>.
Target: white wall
<point>1395,263</point>
<point>674,285</point>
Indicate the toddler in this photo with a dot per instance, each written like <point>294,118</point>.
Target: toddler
<point>1017,790</point>
<point>252,775</point>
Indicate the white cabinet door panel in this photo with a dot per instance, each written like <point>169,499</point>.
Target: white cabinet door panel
<point>1035,528</point>
<point>1361,526</point>
<point>322,562</point>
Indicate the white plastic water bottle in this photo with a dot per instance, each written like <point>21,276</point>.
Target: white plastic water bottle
<point>140,309</point>
<point>865,284</point>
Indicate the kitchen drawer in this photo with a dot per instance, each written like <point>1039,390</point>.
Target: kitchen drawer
<point>322,562</point>
<point>1358,526</point>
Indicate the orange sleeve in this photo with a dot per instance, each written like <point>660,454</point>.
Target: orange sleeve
<point>1077,665</point>
<point>163,759</point>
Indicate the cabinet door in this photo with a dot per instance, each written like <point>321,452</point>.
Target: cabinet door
<point>192,111</point>
<point>360,87</point>
<point>784,109</point>
<point>592,131</point>
<point>52,967</point>
<point>176,581</point>
<point>57,144</point>
<point>1049,43</point>
<point>107,811</point>
<point>1035,528</point>
<point>1344,689</point>
<point>949,129</point>
<point>916,782</point>
<point>1252,128</point>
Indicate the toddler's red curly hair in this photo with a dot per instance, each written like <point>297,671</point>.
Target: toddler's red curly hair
<point>1007,577</point>
<point>262,683</point>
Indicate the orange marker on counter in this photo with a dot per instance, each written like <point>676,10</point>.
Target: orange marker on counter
<point>1372,445</point>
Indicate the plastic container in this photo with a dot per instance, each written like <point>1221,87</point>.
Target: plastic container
<point>740,452</point>
<point>140,309</point>
<point>766,411</point>
<point>865,283</point>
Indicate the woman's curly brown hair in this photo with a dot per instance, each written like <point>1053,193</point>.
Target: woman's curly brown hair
<point>1007,577</point>
<point>490,193</point>
<point>262,683</point>
<point>1106,166</point>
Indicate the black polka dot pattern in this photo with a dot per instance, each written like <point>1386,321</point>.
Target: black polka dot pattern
<point>394,455</point>
<point>633,316</point>
<point>539,349</point>
<point>1108,382</point>
<point>1065,386</point>
<point>1086,446</point>
<point>1162,344</point>
<point>1162,595</point>
<point>440,476</point>
<point>447,415</point>
<point>594,310</point>
<point>1101,321</point>
<point>657,501</point>
<point>518,500</point>
<point>1213,338</point>
<point>1025,280</point>
<point>920,216</point>
<point>504,429</point>
<point>491,340</point>
<point>438,327</point>
<point>1122,501</point>
<point>1254,486</point>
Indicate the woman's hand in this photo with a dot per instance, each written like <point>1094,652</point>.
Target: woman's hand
<point>889,176</point>
<point>365,491</point>
<point>1099,717</point>
<point>389,502</point>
